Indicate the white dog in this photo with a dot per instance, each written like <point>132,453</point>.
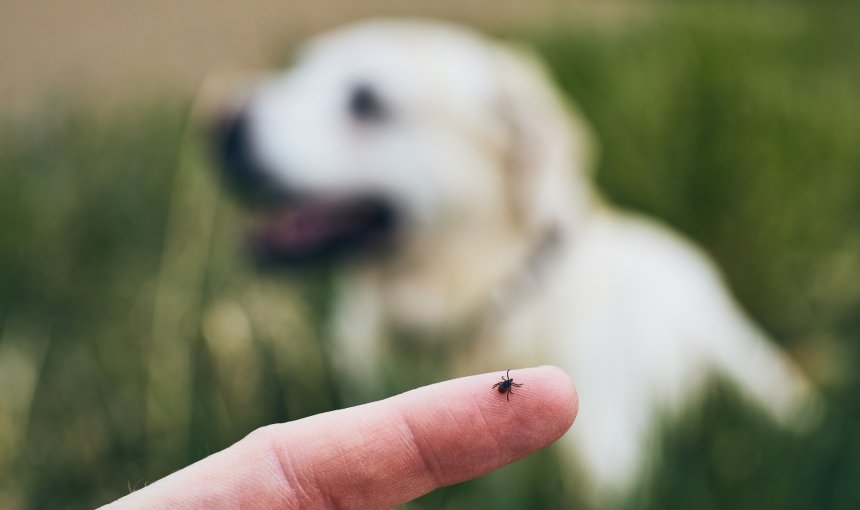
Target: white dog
<point>451,181</point>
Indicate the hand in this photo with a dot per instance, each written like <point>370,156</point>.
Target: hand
<point>376,455</point>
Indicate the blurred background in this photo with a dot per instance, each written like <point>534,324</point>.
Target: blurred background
<point>135,338</point>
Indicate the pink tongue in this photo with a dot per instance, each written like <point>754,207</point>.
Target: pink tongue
<point>307,227</point>
<point>296,229</point>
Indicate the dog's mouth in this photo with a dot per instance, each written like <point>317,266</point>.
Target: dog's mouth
<point>322,229</point>
<point>293,227</point>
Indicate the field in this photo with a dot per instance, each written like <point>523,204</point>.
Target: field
<point>135,338</point>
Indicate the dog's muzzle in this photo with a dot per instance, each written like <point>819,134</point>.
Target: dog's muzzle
<point>293,228</point>
<point>241,170</point>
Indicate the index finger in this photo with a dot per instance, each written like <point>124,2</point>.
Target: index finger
<point>380,454</point>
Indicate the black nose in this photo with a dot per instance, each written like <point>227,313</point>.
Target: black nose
<point>234,138</point>
<point>234,149</point>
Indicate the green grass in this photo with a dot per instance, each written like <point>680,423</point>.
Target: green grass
<point>134,338</point>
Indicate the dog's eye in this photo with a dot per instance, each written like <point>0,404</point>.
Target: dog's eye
<point>365,105</point>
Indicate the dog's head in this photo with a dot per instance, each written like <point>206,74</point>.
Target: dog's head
<point>389,131</point>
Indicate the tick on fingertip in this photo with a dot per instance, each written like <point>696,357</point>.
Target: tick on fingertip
<point>506,385</point>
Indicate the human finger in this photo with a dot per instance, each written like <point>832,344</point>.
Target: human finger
<point>380,454</point>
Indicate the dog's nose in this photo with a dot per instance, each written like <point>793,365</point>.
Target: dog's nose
<point>233,137</point>
<point>235,151</point>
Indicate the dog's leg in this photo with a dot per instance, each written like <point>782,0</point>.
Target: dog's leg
<point>761,370</point>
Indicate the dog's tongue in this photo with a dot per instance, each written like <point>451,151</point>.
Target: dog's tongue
<point>306,230</point>
<point>298,229</point>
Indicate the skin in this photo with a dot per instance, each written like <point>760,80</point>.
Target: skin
<point>376,455</point>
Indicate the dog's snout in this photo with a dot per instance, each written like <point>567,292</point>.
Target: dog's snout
<point>234,149</point>
<point>233,137</point>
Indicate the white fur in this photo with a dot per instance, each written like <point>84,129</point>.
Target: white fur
<point>484,157</point>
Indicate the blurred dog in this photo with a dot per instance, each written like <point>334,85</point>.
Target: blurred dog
<point>451,182</point>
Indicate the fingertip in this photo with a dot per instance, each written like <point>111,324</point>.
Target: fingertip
<point>537,414</point>
<point>551,402</point>
<point>565,391</point>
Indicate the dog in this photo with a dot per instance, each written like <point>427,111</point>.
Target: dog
<point>451,184</point>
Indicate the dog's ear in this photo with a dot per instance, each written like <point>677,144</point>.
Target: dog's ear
<point>550,148</point>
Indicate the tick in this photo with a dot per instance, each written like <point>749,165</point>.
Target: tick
<point>506,385</point>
